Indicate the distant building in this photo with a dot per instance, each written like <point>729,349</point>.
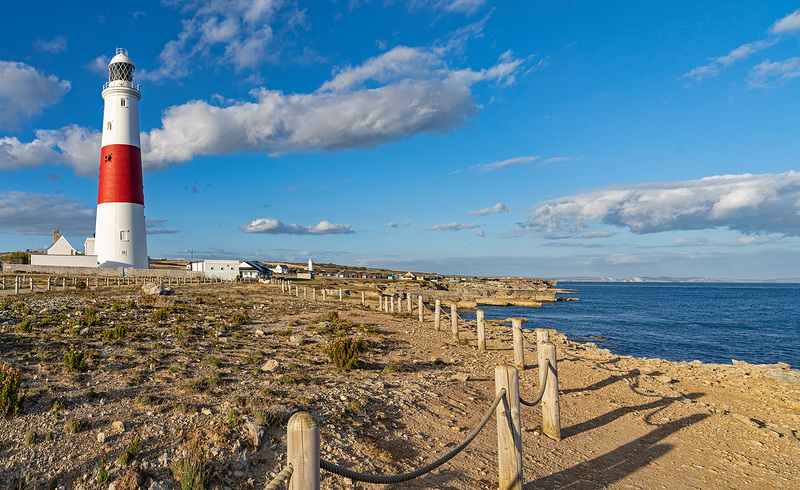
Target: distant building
<point>282,269</point>
<point>61,246</point>
<point>227,270</point>
<point>253,270</point>
<point>62,253</point>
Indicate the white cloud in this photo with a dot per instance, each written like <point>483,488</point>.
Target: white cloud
<point>273,226</point>
<point>769,73</point>
<point>328,228</point>
<point>391,224</point>
<point>742,52</point>
<point>55,46</point>
<point>156,227</point>
<point>497,208</point>
<point>452,227</point>
<point>416,94</point>
<point>236,32</point>
<point>788,24</point>
<point>459,6</point>
<point>511,162</point>
<point>751,204</point>
<point>406,222</point>
<point>692,241</point>
<point>24,92</point>
<point>99,65</point>
<point>73,146</point>
<point>30,213</point>
<point>480,233</point>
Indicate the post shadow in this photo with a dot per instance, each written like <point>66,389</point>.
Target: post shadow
<point>612,467</point>
<point>608,417</point>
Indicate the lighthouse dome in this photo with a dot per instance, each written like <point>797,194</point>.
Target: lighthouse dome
<point>121,67</point>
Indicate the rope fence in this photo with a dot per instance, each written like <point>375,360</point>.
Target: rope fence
<point>303,435</point>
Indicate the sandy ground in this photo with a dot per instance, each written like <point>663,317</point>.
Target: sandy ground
<point>189,373</point>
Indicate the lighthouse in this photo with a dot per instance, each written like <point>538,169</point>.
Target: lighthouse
<point>120,235</point>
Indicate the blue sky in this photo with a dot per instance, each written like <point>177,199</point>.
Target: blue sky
<point>542,139</point>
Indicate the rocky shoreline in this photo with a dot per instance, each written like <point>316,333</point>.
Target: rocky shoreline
<point>219,368</point>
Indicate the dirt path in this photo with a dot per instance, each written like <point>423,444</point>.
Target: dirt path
<point>189,372</point>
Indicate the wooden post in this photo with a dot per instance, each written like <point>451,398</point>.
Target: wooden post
<point>519,351</point>
<point>31,281</point>
<point>391,300</point>
<point>454,321</point>
<point>481,330</point>
<point>4,283</point>
<point>340,294</point>
<point>551,412</point>
<point>421,309</point>
<point>542,335</point>
<point>400,303</point>
<point>410,304</point>
<point>302,451</point>
<point>314,294</point>
<point>509,439</point>
<point>48,284</point>
<point>16,285</point>
<point>324,294</point>
<point>305,292</point>
<point>437,315</point>
<point>363,299</point>
<point>87,283</point>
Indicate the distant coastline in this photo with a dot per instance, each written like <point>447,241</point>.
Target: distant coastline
<point>790,280</point>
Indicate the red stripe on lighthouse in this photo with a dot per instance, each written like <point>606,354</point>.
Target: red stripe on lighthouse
<point>121,175</point>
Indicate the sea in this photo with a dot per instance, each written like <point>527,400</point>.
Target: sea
<point>711,322</point>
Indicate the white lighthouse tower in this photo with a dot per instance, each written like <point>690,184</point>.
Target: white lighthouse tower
<point>120,236</point>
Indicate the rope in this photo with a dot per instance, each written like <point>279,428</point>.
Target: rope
<point>541,388</point>
<point>383,480</point>
<point>281,478</point>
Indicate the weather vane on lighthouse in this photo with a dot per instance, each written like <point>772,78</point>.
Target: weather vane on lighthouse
<point>120,235</point>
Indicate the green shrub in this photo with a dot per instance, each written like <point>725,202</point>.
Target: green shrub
<point>25,326</point>
<point>160,315</point>
<point>102,474</point>
<point>75,425</point>
<point>192,472</point>
<point>30,438</point>
<point>24,257</point>
<point>240,318</point>
<point>10,400</point>
<point>73,359</point>
<point>129,454</point>
<point>343,352</point>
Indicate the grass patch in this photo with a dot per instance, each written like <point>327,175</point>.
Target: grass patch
<point>10,400</point>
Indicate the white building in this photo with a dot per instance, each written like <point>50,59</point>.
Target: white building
<point>227,270</point>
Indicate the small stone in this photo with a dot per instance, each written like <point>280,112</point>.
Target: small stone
<point>463,377</point>
<point>260,332</point>
<point>101,437</point>
<point>119,426</point>
<point>206,411</point>
<point>270,366</point>
<point>664,379</point>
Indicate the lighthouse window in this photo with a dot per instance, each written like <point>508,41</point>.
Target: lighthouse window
<point>122,102</point>
<point>109,125</point>
<point>123,235</point>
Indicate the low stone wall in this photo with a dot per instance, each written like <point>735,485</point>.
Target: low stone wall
<point>55,270</point>
<point>173,273</point>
